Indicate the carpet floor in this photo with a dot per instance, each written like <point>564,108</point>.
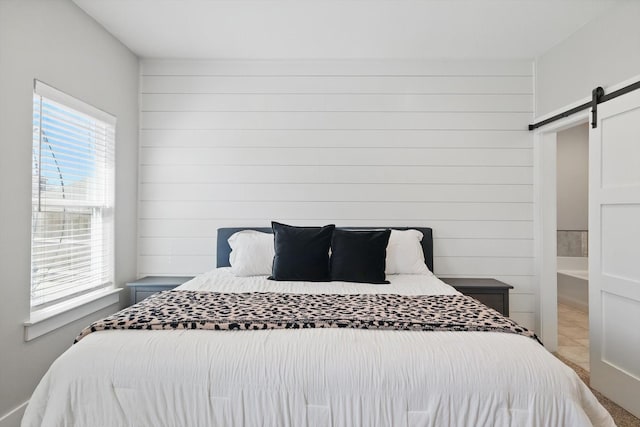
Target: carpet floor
<point>621,417</point>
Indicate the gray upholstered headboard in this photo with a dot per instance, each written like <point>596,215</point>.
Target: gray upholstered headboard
<point>223,249</point>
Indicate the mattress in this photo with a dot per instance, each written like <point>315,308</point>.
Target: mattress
<point>311,377</point>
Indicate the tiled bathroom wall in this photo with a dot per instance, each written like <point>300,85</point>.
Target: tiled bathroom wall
<point>573,243</point>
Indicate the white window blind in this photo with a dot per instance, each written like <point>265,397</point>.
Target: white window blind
<point>72,198</point>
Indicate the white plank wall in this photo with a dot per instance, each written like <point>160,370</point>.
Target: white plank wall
<point>441,144</point>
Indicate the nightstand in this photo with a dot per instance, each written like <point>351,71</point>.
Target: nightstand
<point>490,292</point>
<point>149,285</point>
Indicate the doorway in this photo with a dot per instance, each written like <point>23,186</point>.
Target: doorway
<point>546,224</point>
<point>572,185</point>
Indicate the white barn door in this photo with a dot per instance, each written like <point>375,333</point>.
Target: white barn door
<point>614,251</point>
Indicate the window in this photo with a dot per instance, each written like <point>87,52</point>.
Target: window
<point>72,199</point>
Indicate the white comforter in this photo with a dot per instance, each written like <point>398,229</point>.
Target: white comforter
<point>311,377</point>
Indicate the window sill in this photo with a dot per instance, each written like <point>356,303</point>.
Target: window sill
<point>51,318</point>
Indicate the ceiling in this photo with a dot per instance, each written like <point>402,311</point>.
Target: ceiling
<point>311,29</point>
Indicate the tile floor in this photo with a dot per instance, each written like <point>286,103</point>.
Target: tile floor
<point>573,335</point>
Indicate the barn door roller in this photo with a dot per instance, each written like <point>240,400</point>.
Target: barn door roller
<point>596,96</point>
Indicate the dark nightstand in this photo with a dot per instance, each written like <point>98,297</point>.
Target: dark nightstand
<point>490,292</point>
<point>149,285</point>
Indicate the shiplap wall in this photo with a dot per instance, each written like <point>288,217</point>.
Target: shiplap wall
<point>441,144</point>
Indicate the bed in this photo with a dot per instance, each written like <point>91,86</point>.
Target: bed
<point>311,376</point>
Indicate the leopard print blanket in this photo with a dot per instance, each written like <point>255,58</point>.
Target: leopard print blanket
<point>179,309</point>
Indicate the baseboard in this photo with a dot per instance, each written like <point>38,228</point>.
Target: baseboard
<point>13,417</point>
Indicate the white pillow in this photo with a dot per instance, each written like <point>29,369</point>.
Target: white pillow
<point>251,253</point>
<point>404,253</point>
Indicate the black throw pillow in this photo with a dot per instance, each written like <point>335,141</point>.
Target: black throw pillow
<point>359,256</point>
<point>301,253</point>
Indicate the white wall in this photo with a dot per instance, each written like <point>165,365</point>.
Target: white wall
<point>604,52</point>
<point>573,178</point>
<point>54,41</point>
<point>440,144</point>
